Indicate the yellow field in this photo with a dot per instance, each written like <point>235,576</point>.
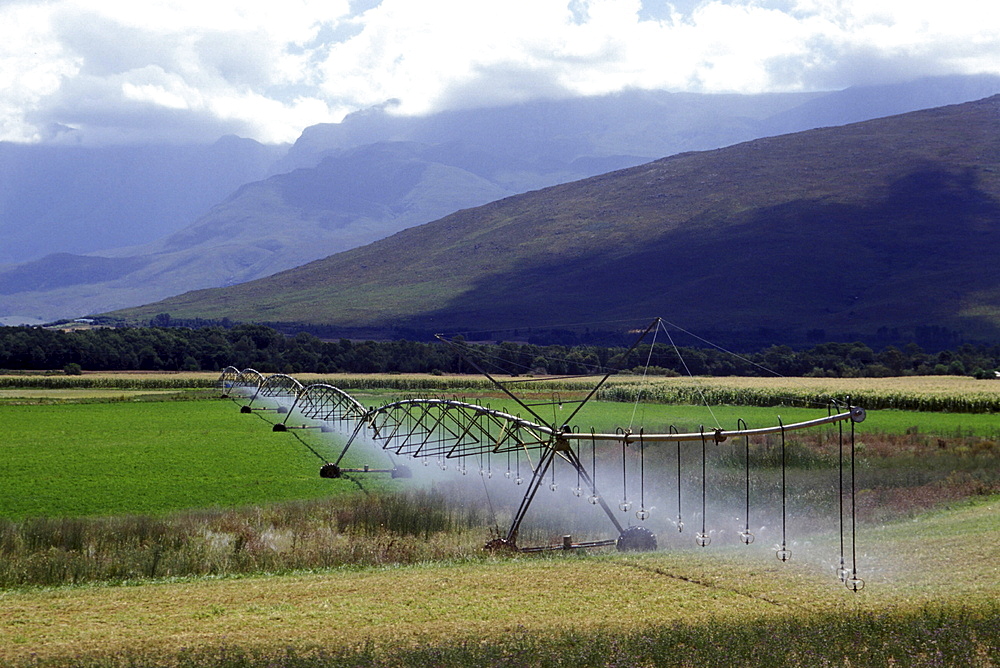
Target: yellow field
<point>74,394</point>
<point>916,385</point>
<point>949,560</point>
<point>925,385</point>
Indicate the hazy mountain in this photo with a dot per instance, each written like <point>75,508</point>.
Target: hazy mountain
<point>860,103</point>
<point>74,199</point>
<point>547,136</point>
<point>890,223</point>
<point>345,185</point>
<point>637,125</point>
<point>348,200</point>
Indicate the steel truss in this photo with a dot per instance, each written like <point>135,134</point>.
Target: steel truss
<point>449,429</point>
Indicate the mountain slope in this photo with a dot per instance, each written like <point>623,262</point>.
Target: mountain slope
<point>69,199</point>
<point>348,200</point>
<point>887,223</point>
<point>347,184</point>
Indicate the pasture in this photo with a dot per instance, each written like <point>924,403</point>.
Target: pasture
<point>181,532</point>
<point>149,457</point>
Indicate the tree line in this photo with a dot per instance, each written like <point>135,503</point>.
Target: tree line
<point>270,351</point>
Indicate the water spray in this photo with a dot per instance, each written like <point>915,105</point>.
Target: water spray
<point>433,429</point>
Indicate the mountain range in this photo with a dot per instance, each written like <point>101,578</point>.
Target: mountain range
<point>92,230</point>
<point>891,224</point>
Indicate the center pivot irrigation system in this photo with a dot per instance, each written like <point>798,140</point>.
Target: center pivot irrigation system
<point>450,429</point>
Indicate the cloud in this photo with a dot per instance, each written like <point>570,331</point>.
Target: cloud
<point>102,71</point>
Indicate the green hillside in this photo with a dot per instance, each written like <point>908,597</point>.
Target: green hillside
<point>887,223</point>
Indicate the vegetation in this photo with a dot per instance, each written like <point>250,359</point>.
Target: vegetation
<point>934,635</point>
<point>350,529</point>
<point>925,604</point>
<point>267,350</point>
<point>372,571</point>
<point>127,457</point>
<point>899,220</point>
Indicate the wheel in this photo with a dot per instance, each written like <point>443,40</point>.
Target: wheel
<point>500,545</point>
<point>329,471</point>
<point>636,539</point>
<point>402,472</point>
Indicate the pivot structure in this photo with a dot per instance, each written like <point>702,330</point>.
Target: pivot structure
<point>459,433</point>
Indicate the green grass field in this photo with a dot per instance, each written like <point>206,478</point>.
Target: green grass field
<point>148,457</point>
<point>80,459</point>
<point>197,537</point>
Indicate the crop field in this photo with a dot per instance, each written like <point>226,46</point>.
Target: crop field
<point>927,602</point>
<point>147,457</point>
<point>957,394</point>
<point>140,528</point>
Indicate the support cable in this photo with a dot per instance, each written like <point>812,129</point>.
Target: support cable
<point>642,383</point>
<point>687,370</point>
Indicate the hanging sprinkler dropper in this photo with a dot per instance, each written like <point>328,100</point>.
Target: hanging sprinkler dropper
<point>702,539</point>
<point>578,490</point>
<point>783,553</point>
<point>625,504</point>
<point>746,536</point>
<point>642,514</point>
<point>680,521</point>
<point>594,498</point>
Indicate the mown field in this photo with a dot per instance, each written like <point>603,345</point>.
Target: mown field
<point>150,529</point>
<point>930,599</point>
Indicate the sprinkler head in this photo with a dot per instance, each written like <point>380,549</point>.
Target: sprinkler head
<point>642,514</point>
<point>593,499</point>
<point>746,537</point>
<point>680,524</point>
<point>854,583</point>
<point>783,554</point>
<point>625,505</point>
<point>577,491</point>
<point>507,474</point>
<point>702,539</point>
<point>554,486</point>
<point>519,480</point>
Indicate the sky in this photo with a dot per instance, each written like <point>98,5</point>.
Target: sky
<point>98,72</point>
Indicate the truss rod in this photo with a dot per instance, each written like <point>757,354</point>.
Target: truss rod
<point>856,414</point>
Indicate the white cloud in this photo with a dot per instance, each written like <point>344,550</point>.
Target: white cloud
<point>192,69</point>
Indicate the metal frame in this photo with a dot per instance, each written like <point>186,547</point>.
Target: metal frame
<point>453,429</point>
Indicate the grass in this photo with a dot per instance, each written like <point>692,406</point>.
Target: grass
<point>365,530</point>
<point>925,601</point>
<point>301,577</point>
<point>148,457</point>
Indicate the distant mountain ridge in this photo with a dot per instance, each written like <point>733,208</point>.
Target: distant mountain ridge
<point>84,199</point>
<point>885,224</point>
<point>158,232</point>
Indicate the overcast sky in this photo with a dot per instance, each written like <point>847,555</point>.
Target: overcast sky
<point>100,71</point>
